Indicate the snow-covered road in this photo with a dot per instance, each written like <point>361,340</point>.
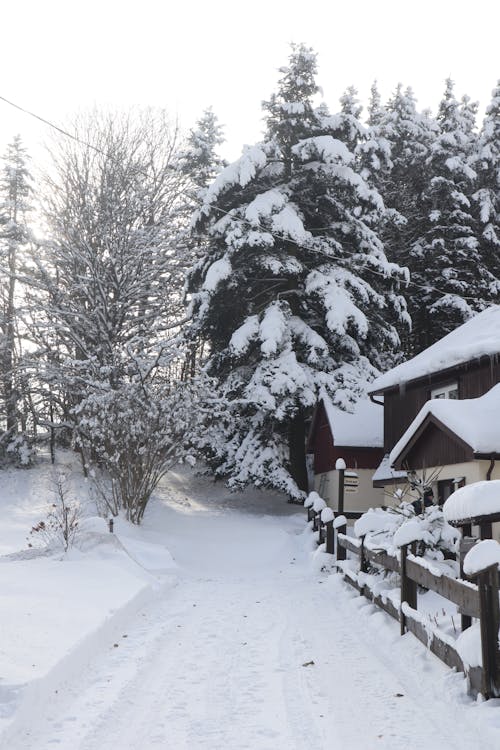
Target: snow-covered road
<point>253,650</point>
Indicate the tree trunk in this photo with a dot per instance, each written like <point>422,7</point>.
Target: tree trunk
<point>297,448</point>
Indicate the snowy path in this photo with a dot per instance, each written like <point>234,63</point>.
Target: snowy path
<point>218,661</point>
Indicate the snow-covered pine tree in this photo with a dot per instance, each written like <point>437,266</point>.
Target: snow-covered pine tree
<point>295,293</point>
<point>446,255</point>
<point>200,159</point>
<point>200,162</point>
<point>487,196</point>
<point>15,191</point>
<point>404,136</point>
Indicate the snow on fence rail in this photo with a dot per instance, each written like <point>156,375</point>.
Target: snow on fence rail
<point>474,600</point>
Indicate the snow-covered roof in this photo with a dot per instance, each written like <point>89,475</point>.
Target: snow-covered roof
<point>475,420</point>
<point>472,501</point>
<point>385,473</point>
<point>478,337</point>
<point>364,427</point>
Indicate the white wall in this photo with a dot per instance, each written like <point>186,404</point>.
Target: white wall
<point>365,496</point>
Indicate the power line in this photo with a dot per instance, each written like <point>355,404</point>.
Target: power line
<point>330,256</point>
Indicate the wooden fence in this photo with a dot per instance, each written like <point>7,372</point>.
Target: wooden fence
<point>475,599</point>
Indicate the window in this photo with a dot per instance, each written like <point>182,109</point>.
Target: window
<point>445,391</point>
<point>445,487</point>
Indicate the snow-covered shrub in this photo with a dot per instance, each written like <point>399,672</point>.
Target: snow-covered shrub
<point>59,528</point>
<point>16,449</point>
<point>391,528</point>
<point>135,433</point>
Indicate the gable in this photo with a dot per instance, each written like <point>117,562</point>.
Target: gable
<point>433,444</point>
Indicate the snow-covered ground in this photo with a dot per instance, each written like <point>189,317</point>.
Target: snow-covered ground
<point>209,628</point>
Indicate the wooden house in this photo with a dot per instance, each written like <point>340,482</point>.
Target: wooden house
<point>355,437</point>
<point>442,409</point>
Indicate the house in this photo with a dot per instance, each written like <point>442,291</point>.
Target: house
<point>442,409</point>
<point>355,437</point>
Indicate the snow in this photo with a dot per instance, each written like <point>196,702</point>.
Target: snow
<point>339,522</point>
<point>468,645</point>
<point>473,500</point>
<point>272,329</point>
<point>384,472</point>
<point>479,336</point>
<point>325,147</point>
<point>327,515</point>
<point>318,504</point>
<point>364,426</point>
<point>232,647</point>
<point>470,419</point>
<point>217,272</point>
<point>241,338</point>
<point>482,555</point>
<point>373,521</point>
<point>340,464</point>
<point>410,531</point>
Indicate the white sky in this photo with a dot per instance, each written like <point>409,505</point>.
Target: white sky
<point>58,56</point>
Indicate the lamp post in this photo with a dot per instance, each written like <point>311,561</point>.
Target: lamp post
<point>340,467</point>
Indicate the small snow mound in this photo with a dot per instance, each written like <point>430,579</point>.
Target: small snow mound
<point>408,532</point>
<point>482,556</point>
<point>340,521</point>
<point>319,504</point>
<point>473,500</point>
<point>372,521</point>
<point>468,645</point>
<point>94,524</point>
<point>308,502</point>
<point>327,515</point>
<point>340,464</point>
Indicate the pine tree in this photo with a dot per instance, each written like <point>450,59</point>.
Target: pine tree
<point>487,196</point>
<point>446,257</point>
<point>200,159</point>
<point>15,192</point>
<point>405,137</point>
<point>295,294</point>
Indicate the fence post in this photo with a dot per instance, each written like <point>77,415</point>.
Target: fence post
<point>408,587</point>
<point>316,521</point>
<point>329,537</point>
<point>466,544</point>
<point>341,551</point>
<point>363,563</point>
<point>489,623</point>
<point>321,530</point>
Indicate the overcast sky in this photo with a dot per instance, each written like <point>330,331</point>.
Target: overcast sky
<point>58,56</point>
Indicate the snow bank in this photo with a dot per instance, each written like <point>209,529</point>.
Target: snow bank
<point>473,500</point>
<point>478,337</point>
<point>481,556</point>
<point>468,646</point>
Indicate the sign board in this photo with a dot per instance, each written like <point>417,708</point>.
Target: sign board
<point>351,481</point>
